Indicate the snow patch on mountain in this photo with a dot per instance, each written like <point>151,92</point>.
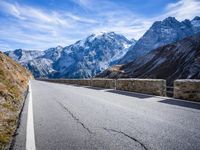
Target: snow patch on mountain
<point>85,58</point>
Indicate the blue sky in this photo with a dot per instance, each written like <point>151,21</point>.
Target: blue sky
<point>41,24</point>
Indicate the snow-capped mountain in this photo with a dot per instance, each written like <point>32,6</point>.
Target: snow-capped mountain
<point>23,56</point>
<point>88,57</point>
<point>161,33</point>
<point>180,60</point>
<point>83,59</point>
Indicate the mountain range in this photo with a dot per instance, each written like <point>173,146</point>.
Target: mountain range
<point>161,33</point>
<point>94,54</point>
<point>179,60</point>
<point>83,59</point>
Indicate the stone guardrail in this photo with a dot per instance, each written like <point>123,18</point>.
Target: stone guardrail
<point>85,82</point>
<point>187,89</point>
<point>147,86</point>
<point>183,89</point>
<point>103,83</point>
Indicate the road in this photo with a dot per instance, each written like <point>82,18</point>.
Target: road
<point>74,117</point>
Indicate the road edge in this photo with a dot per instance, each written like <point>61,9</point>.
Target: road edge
<point>30,134</point>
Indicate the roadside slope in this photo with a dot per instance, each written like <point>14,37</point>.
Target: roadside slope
<point>13,84</point>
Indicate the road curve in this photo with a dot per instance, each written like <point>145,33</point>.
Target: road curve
<point>74,117</point>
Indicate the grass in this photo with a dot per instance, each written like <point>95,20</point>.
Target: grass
<point>6,133</point>
<point>9,105</point>
<point>13,82</point>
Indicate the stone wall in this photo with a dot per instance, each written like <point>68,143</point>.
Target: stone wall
<point>147,86</point>
<point>187,89</point>
<point>103,83</point>
<point>85,82</point>
<point>183,89</point>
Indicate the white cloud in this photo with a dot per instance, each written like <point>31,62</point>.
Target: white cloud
<point>83,3</point>
<point>36,28</point>
<point>4,46</point>
<point>11,9</point>
<point>81,19</point>
<point>183,9</point>
<point>32,14</point>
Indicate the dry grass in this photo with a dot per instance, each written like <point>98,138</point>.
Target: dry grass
<point>13,83</point>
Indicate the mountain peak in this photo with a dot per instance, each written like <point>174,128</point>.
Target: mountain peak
<point>196,18</point>
<point>161,33</point>
<point>18,52</point>
<point>99,36</point>
<point>54,48</point>
<point>170,19</point>
<point>59,47</point>
<point>196,23</point>
<point>104,34</point>
<point>111,33</point>
<point>133,40</point>
<point>167,21</point>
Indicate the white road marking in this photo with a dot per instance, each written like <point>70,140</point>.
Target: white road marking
<point>30,134</point>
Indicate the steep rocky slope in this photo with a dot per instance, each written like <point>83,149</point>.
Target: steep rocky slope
<point>161,33</point>
<point>180,60</point>
<point>83,59</point>
<point>13,83</point>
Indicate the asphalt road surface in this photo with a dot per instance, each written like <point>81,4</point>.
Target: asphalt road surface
<point>69,117</point>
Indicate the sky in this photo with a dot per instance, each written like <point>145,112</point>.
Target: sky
<point>41,24</point>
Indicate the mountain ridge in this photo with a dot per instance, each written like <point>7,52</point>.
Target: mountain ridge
<point>179,60</point>
<point>161,33</point>
<point>85,58</point>
<point>97,52</point>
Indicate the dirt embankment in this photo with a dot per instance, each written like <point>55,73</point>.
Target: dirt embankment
<point>13,83</point>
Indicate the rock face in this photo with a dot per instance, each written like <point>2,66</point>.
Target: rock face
<point>180,60</point>
<point>13,83</point>
<point>161,33</point>
<point>83,59</point>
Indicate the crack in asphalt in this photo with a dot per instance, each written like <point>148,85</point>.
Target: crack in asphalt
<point>130,137</point>
<point>108,130</point>
<point>75,118</point>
